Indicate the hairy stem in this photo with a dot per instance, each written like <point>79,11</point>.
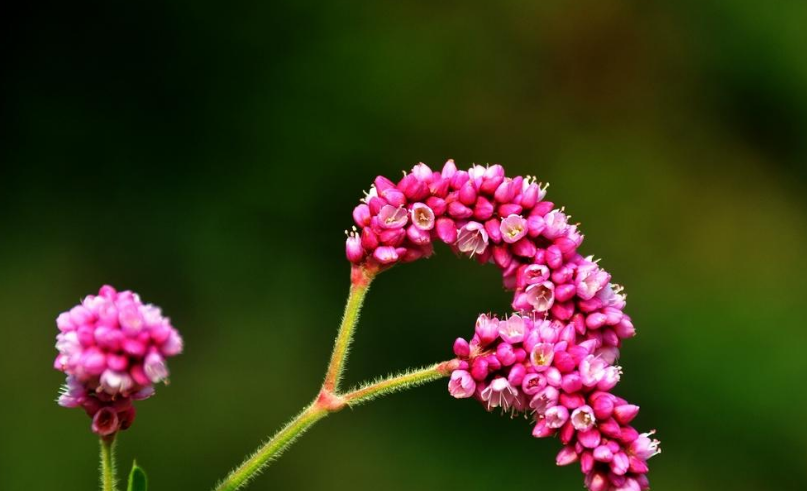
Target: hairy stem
<point>329,399</point>
<point>358,290</point>
<point>399,382</point>
<point>108,464</point>
<point>273,448</point>
<point>326,403</point>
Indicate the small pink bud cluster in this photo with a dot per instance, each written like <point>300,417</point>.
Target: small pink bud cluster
<point>113,349</point>
<point>479,212</point>
<point>560,373</point>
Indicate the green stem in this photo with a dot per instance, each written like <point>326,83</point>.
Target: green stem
<point>327,403</point>
<point>358,290</point>
<point>399,382</point>
<point>329,399</point>
<point>108,464</point>
<point>273,448</point>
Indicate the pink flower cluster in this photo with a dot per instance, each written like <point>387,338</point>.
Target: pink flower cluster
<point>556,357</point>
<point>113,349</point>
<point>561,373</point>
<point>478,212</point>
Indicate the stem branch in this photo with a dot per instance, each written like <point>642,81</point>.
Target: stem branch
<point>330,399</point>
<point>358,290</point>
<point>399,382</point>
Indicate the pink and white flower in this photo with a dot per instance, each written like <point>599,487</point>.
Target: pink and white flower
<point>472,238</point>
<point>499,393</point>
<point>461,385</point>
<point>513,228</point>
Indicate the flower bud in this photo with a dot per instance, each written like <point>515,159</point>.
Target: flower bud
<point>597,481</point>
<point>566,456</point>
<point>620,463</point>
<point>554,258</point>
<point>392,237</point>
<point>437,205</point>
<point>461,348</point>
<point>571,383</point>
<point>459,211</point>
<point>483,209</point>
<point>467,194</point>
<point>565,292</point>
<point>572,401</point>
<point>493,228</point>
<point>610,428</point>
<point>529,196</point>
<point>353,249</point>
<point>603,407</point>
<point>361,215</point>
<point>449,169</point>
<point>417,235</point>
<point>563,310</point>
<point>504,353</point>
<point>535,225</point>
<point>446,230</point>
<point>376,204</point>
<point>506,191</point>
<point>588,438</point>
<point>524,248</point>
<point>625,413</point>
<point>369,239</point>
<point>385,255</point>
<point>603,454</point>
<point>502,256</point>
<point>492,178</point>
<point>382,184</point>
<point>394,197</point>
<point>479,369</point>
<point>516,374</point>
<point>458,179</point>
<point>541,430</point>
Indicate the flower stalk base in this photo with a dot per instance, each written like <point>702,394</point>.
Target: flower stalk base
<point>108,481</point>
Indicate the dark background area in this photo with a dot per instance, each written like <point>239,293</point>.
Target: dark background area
<point>208,156</point>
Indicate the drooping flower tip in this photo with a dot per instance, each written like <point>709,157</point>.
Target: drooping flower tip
<point>113,349</point>
<point>560,373</point>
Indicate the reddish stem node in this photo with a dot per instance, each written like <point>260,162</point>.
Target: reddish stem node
<point>330,402</point>
<point>363,274</point>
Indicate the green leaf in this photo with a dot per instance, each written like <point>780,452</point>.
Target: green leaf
<point>137,479</point>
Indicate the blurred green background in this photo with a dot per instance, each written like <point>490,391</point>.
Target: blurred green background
<point>208,156</point>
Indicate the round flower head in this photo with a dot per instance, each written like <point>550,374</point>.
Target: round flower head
<point>113,349</point>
